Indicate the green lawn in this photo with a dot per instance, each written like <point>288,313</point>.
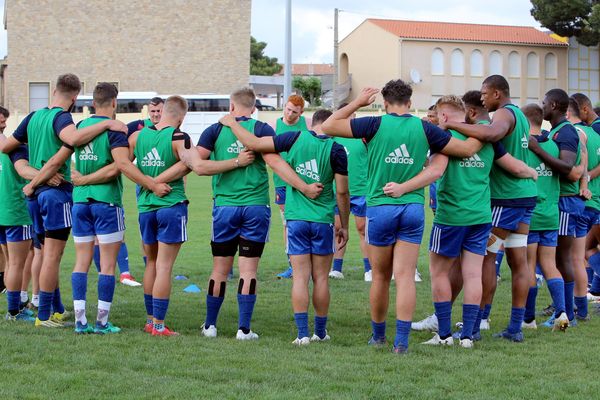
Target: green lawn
<point>40,363</point>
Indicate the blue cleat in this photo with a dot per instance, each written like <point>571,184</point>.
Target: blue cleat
<point>380,342</point>
<point>20,317</point>
<point>400,350</point>
<point>513,337</point>
<point>27,312</point>
<point>476,336</point>
<point>81,329</point>
<point>287,274</point>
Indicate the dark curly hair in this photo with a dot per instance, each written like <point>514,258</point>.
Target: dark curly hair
<point>397,92</point>
<point>472,99</point>
<point>320,116</point>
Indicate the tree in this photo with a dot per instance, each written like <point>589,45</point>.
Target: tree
<point>309,87</point>
<point>578,18</point>
<point>261,64</point>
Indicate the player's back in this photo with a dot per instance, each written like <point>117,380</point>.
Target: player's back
<point>43,141</point>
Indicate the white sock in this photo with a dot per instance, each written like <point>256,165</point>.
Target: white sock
<point>35,300</point>
<point>24,296</point>
<point>103,310</point>
<point>79,308</point>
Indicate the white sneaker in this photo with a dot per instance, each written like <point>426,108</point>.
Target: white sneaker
<point>418,277</point>
<point>241,335</point>
<point>591,297</point>
<point>316,338</point>
<point>561,322</point>
<point>466,343</point>
<point>428,324</point>
<point>529,325</point>
<point>210,332</point>
<point>305,341</point>
<point>336,274</point>
<point>437,341</point>
<point>539,280</point>
<point>368,276</point>
<point>484,325</point>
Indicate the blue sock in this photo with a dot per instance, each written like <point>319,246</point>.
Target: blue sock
<point>367,264</point>
<point>148,304</point>
<point>582,306</point>
<point>402,332</point>
<point>594,263</point>
<point>320,326</point>
<point>337,264</point>
<point>106,287</point>
<point>595,288</point>
<point>245,308</point>
<point>569,289</point>
<point>79,285</point>
<point>213,305</point>
<point>530,304</point>
<point>159,307</point>
<point>487,309</point>
<point>516,319</point>
<point>57,304</point>
<point>44,305</point>
<point>97,257</point>
<point>145,260</point>
<point>556,287</point>
<point>302,324</point>
<point>289,262</point>
<point>470,313</point>
<point>499,257</point>
<point>13,299</point>
<point>538,269</point>
<point>590,275</point>
<point>477,324</point>
<point>378,330</point>
<point>123,259</point>
<point>443,311</point>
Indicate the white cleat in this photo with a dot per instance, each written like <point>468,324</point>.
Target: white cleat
<point>305,341</point>
<point>418,277</point>
<point>484,325</point>
<point>437,341</point>
<point>592,297</point>
<point>316,338</point>
<point>210,332</point>
<point>466,343</point>
<point>529,325</point>
<point>129,282</point>
<point>368,276</point>
<point>336,274</point>
<point>561,323</point>
<point>243,336</point>
<point>428,324</point>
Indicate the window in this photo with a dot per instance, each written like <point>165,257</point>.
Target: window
<point>495,63</point>
<point>437,62</point>
<point>476,63</point>
<point>550,66</point>
<point>215,105</point>
<point>457,63</point>
<point>39,95</point>
<point>514,65</point>
<point>533,65</point>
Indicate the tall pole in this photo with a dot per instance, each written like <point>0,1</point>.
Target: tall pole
<point>336,73</point>
<point>287,73</point>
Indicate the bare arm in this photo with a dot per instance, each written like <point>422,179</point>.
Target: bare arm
<point>174,172</point>
<point>462,148</point>
<point>197,160</point>
<point>516,167</point>
<point>428,175</point>
<point>343,203</point>
<point>8,144</point>
<point>281,168</point>
<point>48,170</point>
<point>122,161</point>
<point>338,124</point>
<point>583,179</point>
<point>103,175</point>
<point>77,137</point>
<point>563,165</point>
<point>501,125</point>
<point>250,142</point>
<point>25,170</point>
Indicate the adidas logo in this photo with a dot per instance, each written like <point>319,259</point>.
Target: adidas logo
<point>87,154</point>
<point>400,156</point>
<point>309,169</point>
<point>152,159</point>
<point>524,142</point>
<point>542,170</point>
<point>237,147</point>
<point>473,161</point>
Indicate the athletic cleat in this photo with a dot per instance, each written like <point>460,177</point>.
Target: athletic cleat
<point>148,327</point>
<point>287,274</point>
<point>592,297</point>
<point>48,324</point>
<point>528,325</point>
<point>560,323</point>
<point>128,280</point>
<point>539,280</point>
<point>106,329</point>
<point>369,276</point>
<point>485,325</point>
<point>573,322</point>
<point>245,336</point>
<point>513,337</point>
<point>165,332</point>
<point>19,317</point>
<point>317,338</point>
<point>548,311</point>
<point>466,343</point>
<point>83,329</point>
<point>400,350</point>
<point>429,323</point>
<point>28,312</point>
<point>459,325</point>
<point>418,276</point>
<point>336,274</point>
<point>436,340</point>
<point>31,306</point>
<point>58,317</point>
<point>210,332</point>
<point>582,319</point>
<point>377,342</point>
<point>458,334</point>
<point>305,341</point>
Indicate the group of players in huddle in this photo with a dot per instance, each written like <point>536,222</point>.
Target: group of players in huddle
<point>503,185</point>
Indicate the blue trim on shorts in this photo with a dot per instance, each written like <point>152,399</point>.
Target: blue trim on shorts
<point>96,218</point>
<point>166,225</point>
<point>543,238</point>
<point>450,241</point>
<point>386,224</point>
<point>510,218</point>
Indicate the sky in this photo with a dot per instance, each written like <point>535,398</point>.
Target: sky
<point>312,20</point>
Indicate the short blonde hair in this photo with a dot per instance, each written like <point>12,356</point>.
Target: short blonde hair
<point>175,106</point>
<point>451,101</point>
<point>244,97</point>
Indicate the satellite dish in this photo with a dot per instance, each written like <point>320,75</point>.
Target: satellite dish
<point>415,76</point>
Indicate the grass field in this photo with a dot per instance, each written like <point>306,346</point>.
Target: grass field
<point>39,364</point>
